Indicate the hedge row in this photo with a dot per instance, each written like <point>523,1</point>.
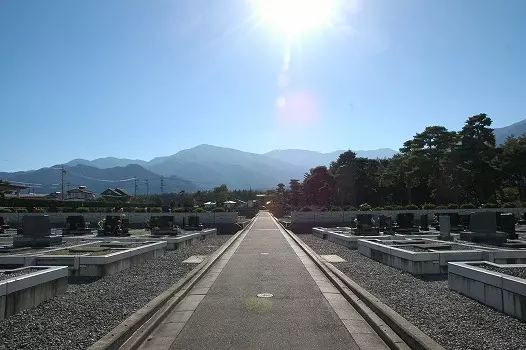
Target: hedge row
<point>427,206</point>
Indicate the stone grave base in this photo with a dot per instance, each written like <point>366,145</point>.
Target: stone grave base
<point>35,241</point>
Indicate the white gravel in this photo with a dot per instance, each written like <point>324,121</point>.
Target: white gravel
<point>90,309</point>
<point>453,320</point>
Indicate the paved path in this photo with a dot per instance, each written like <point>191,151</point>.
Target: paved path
<point>224,312</point>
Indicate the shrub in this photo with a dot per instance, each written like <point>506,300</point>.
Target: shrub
<point>6,210</point>
<point>452,206</point>
<point>365,207</point>
<point>219,210</point>
<point>398,207</point>
<point>509,205</point>
<point>441,207</point>
<point>350,208</point>
<point>411,207</point>
<point>140,210</point>
<point>178,210</point>
<point>429,206</point>
<point>490,205</point>
<point>523,205</point>
<point>388,207</point>
<point>336,208</point>
<point>156,210</point>
<point>21,210</point>
<point>199,210</point>
<point>305,209</point>
<point>82,210</point>
<point>378,208</point>
<point>468,206</point>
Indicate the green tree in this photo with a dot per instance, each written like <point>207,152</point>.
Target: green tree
<point>514,164</point>
<point>319,186</point>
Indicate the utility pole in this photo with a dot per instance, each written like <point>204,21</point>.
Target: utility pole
<point>147,187</point>
<point>162,184</point>
<point>135,182</point>
<point>62,172</point>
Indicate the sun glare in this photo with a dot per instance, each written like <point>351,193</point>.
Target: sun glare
<point>294,17</point>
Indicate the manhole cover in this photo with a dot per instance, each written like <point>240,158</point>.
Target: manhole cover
<point>265,295</point>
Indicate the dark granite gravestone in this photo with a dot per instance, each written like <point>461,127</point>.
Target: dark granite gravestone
<point>506,223</point>
<point>464,221</point>
<point>365,225</point>
<point>385,224</point>
<point>115,225</point>
<point>162,225</point>
<point>483,228</point>
<point>193,223</point>
<point>405,223</point>
<point>424,224</point>
<point>76,225</point>
<point>454,221</point>
<point>3,225</point>
<point>522,219</point>
<point>445,227</point>
<point>35,232</point>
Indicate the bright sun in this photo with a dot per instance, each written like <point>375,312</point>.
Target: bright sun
<point>294,17</point>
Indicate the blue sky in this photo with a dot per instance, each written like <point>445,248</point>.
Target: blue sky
<point>139,79</point>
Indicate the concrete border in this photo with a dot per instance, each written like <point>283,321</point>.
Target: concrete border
<point>502,292</point>
<point>150,315</point>
<point>23,292</point>
<point>371,308</point>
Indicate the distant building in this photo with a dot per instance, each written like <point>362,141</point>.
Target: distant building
<point>210,205</point>
<point>229,204</point>
<point>116,194</point>
<point>80,194</point>
<point>10,189</point>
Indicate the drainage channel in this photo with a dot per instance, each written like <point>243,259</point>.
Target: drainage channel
<point>393,329</point>
<point>137,330</point>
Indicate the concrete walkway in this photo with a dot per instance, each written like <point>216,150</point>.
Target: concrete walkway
<point>224,312</point>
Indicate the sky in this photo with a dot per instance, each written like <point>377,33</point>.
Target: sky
<point>140,79</point>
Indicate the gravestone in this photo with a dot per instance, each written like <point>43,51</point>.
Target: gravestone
<point>365,225</point>
<point>75,225</point>
<point>522,219</point>
<point>464,221</point>
<point>506,223</point>
<point>483,228</point>
<point>405,223</point>
<point>454,221</point>
<point>36,232</point>
<point>193,223</point>
<point>115,225</point>
<point>424,224</point>
<point>445,227</point>
<point>3,225</point>
<point>162,225</point>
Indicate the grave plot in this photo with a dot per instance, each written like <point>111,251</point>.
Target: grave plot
<point>25,287</point>
<point>183,238</point>
<point>348,237</point>
<point>101,258</point>
<point>500,286</point>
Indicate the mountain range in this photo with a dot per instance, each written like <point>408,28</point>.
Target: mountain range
<point>201,167</point>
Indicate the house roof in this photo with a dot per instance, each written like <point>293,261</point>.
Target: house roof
<point>122,192</point>
<point>115,192</point>
<point>230,202</point>
<point>80,190</point>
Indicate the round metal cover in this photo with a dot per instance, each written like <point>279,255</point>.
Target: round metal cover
<point>265,295</point>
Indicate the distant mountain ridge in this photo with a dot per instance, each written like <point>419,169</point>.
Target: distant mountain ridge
<point>204,167</point>
<point>516,129</point>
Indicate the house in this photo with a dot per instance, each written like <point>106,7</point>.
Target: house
<point>10,189</point>
<point>117,194</point>
<point>229,204</point>
<point>210,205</point>
<point>80,194</point>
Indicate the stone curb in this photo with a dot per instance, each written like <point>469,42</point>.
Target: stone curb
<point>149,316</point>
<point>365,302</point>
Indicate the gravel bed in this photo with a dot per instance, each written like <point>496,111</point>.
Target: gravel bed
<point>453,320</point>
<point>519,272</point>
<point>5,276</point>
<point>487,245</point>
<point>90,309</point>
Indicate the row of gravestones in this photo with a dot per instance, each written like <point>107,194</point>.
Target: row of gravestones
<point>36,231</point>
